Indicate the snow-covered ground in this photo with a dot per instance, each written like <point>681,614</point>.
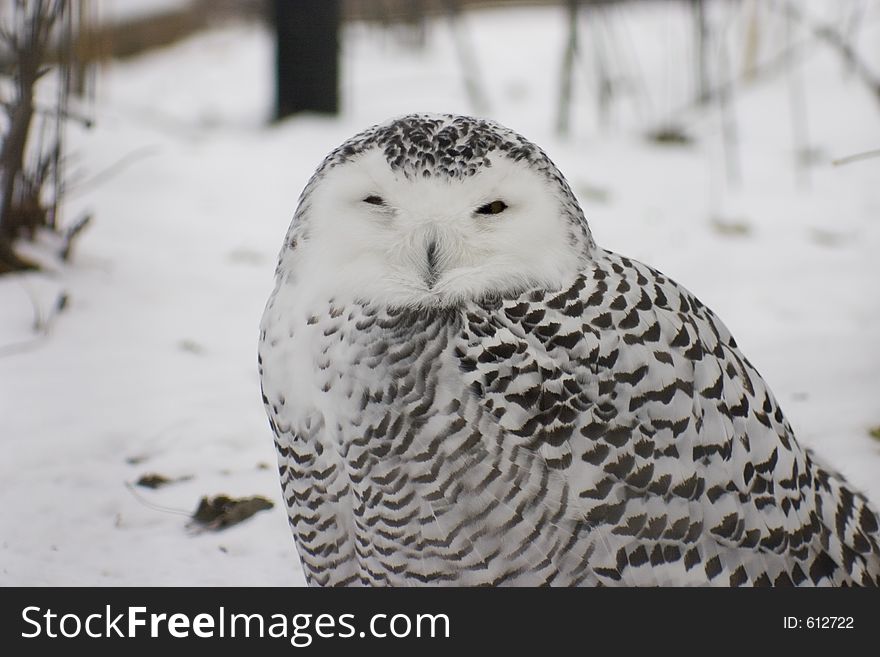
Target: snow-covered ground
<point>150,366</point>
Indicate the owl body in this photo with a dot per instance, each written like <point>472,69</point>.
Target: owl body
<point>466,396</point>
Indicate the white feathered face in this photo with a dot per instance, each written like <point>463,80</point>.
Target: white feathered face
<point>379,233</point>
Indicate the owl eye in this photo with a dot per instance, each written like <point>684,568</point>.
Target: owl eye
<point>372,199</point>
<point>495,207</point>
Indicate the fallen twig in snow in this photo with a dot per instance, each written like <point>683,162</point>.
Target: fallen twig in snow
<point>154,507</point>
<point>71,233</point>
<point>856,157</point>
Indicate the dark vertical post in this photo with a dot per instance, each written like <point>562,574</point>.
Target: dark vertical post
<point>307,56</point>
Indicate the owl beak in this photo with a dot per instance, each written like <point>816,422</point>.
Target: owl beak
<point>430,276</point>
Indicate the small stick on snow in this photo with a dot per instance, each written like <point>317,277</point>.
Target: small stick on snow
<point>856,157</point>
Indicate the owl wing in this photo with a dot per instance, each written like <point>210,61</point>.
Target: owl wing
<point>674,461</point>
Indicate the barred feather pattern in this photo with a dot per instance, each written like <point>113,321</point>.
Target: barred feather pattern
<point>609,432</point>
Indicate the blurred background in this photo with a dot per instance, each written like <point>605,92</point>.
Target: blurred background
<point>154,150</point>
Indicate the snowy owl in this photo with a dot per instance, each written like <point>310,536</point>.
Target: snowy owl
<point>466,390</point>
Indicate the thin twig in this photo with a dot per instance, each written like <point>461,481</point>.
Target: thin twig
<point>797,104</point>
<point>71,233</point>
<point>866,155</point>
<point>605,86</point>
<point>837,41</point>
<point>40,328</point>
<point>112,170</point>
<point>701,46</point>
<point>466,59</point>
<point>729,126</point>
<point>155,507</point>
<point>563,116</point>
<point>23,346</point>
<point>65,113</point>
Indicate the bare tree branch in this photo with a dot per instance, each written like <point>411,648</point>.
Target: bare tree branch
<point>837,41</point>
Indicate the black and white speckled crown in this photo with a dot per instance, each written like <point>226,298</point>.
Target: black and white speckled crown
<point>439,145</point>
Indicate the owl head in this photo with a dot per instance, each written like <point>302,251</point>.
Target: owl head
<point>434,210</point>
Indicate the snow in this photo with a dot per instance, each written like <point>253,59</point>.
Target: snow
<point>150,365</point>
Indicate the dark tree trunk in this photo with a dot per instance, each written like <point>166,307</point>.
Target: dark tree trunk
<point>21,113</point>
<point>307,56</point>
